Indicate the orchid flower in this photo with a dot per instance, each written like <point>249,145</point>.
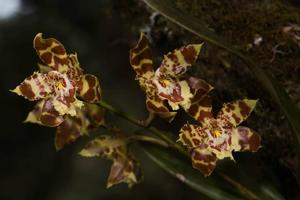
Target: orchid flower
<point>88,118</point>
<point>124,168</point>
<point>58,86</point>
<point>167,85</point>
<point>218,137</point>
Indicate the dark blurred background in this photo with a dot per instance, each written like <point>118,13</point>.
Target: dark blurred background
<point>102,32</point>
<point>30,167</point>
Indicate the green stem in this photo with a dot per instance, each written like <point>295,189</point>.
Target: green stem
<point>146,138</point>
<point>243,190</point>
<point>163,135</point>
<point>134,138</point>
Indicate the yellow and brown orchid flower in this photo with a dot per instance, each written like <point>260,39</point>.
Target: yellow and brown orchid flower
<point>88,118</point>
<point>57,87</point>
<point>124,167</point>
<point>167,84</point>
<point>218,137</point>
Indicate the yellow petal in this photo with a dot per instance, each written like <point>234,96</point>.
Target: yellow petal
<point>156,105</point>
<point>140,58</point>
<point>177,62</point>
<point>35,87</point>
<point>204,160</point>
<point>89,88</point>
<point>237,111</point>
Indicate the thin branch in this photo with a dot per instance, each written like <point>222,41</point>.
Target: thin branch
<point>146,138</point>
<point>240,187</point>
<point>166,136</point>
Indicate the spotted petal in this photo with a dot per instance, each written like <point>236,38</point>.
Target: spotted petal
<point>124,168</point>
<point>236,112</point>
<point>141,60</point>
<point>52,53</point>
<point>90,117</point>
<point>67,132</point>
<point>75,70</point>
<point>177,62</point>
<point>192,136</point>
<point>204,160</point>
<point>95,116</point>
<point>35,87</point>
<point>45,114</point>
<point>89,88</point>
<point>156,105</point>
<point>49,115</point>
<point>201,104</point>
<point>247,139</point>
<point>105,146</point>
<point>87,119</point>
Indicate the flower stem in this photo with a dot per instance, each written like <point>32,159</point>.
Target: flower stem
<point>242,189</point>
<point>146,138</point>
<point>166,136</point>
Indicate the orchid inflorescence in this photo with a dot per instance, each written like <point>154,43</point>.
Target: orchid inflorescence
<point>71,101</point>
<point>57,85</point>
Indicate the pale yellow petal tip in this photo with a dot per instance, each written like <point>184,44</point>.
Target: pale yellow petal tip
<point>210,87</point>
<point>142,34</point>
<point>207,175</point>
<point>38,35</point>
<point>73,54</point>
<point>109,185</point>
<point>179,140</point>
<point>43,68</point>
<point>232,158</point>
<point>251,102</point>
<point>84,132</point>
<point>30,118</point>
<point>197,47</point>
<point>16,90</point>
<point>57,148</point>
<point>173,105</point>
<point>85,153</point>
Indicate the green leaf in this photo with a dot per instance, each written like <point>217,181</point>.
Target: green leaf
<point>184,172</point>
<point>215,186</point>
<point>192,24</point>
